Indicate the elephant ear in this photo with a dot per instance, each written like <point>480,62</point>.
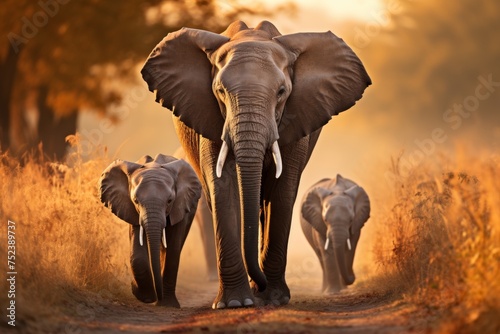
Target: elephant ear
<point>343,182</point>
<point>264,26</point>
<point>234,28</point>
<point>164,159</point>
<point>361,206</point>
<point>144,160</point>
<point>312,208</point>
<point>188,192</point>
<point>114,190</point>
<point>328,78</point>
<point>179,71</point>
<point>269,28</point>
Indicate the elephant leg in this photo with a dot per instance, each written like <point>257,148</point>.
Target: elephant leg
<point>318,244</point>
<point>175,237</point>
<point>142,284</point>
<point>204,219</point>
<point>350,254</point>
<point>279,198</point>
<point>234,289</point>
<point>324,285</point>
<point>277,231</point>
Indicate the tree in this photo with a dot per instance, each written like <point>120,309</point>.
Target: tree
<point>59,57</point>
<point>430,58</point>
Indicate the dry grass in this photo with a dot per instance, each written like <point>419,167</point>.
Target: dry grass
<point>67,243</point>
<point>440,242</point>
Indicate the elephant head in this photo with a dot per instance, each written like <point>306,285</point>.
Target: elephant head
<point>338,209</point>
<point>149,194</point>
<point>252,91</point>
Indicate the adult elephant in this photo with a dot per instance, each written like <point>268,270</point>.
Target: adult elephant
<point>158,198</point>
<point>332,213</point>
<point>248,108</point>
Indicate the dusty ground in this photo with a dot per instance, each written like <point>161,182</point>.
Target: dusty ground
<point>359,309</point>
<point>354,311</point>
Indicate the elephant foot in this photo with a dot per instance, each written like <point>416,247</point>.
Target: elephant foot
<point>332,289</point>
<point>169,302</point>
<point>233,297</point>
<point>276,293</point>
<point>144,295</point>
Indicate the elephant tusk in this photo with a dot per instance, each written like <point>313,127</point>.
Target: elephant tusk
<point>164,239</point>
<point>141,235</point>
<point>349,243</point>
<point>327,243</point>
<point>277,159</point>
<point>221,159</point>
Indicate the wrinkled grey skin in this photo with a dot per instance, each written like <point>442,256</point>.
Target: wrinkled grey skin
<point>334,209</point>
<point>203,218</point>
<point>161,195</point>
<point>248,108</point>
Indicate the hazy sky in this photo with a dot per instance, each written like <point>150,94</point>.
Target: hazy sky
<point>320,15</point>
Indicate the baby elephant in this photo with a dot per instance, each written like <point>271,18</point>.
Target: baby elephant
<point>158,198</point>
<point>332,215</point>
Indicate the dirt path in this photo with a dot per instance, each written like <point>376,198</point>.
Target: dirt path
<point>354,311</point>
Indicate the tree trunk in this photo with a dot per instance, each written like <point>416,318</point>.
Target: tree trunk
<point>52,130</point>
<point>8,70</point>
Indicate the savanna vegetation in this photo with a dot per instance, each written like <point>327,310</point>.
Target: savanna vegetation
<point>443,252</point>
<point>66,241</point>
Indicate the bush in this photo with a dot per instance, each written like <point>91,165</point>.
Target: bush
<point>442,231</point>
<point>67,243</point>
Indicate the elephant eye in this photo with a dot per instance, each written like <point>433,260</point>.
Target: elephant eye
<point>221,91</point>
<point>281,91</point>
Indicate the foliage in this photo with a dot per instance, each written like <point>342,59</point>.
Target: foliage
<point>66,56</point>
<point>67,243</point>
<point>441,235</point>
<point>425,57</point>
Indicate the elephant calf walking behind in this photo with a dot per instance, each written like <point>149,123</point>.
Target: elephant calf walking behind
<point>333,211</point>
<point>158,198</point>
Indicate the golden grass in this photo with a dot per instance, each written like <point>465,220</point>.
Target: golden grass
<point>439,243</point>
<point>66,241</point>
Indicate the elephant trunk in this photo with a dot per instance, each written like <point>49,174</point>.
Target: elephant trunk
<point>339,238</point>
<point>249,178</point>
<point>154,221</point>
<point>250,146</point>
